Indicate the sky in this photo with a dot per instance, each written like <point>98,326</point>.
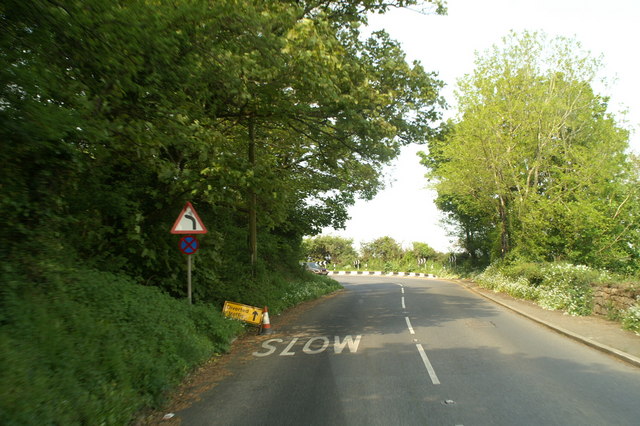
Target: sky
<point>404,210</point>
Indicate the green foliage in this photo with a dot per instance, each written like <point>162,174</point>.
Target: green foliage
<point>422,251</point>
<point>383,249</point>
<point>555,286</point>
<point>280,290</point>
<point>515,286</point>
<point>294,292</point>
<point>92,347</point>
<point>535,167</point>
<point>113,126</point>
<point>532,272</point>
<point>631,319</point>
<point>339,249</point>
<point>568,287</point>
<point>383,254</point>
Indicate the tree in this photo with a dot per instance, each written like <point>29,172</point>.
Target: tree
<point>423,251</point>
<point>322,109</point>
<point>326,247</point>
<point>274,114</point>
<point>383,248</point>
<point>535,165</point>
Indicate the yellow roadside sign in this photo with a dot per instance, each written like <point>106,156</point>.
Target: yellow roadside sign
<point>246,313</point>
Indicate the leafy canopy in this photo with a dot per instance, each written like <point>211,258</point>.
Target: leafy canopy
<point>113,114</point>
<point>535,166</point>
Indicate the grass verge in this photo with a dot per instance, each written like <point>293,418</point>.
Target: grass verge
<point>94,348</point>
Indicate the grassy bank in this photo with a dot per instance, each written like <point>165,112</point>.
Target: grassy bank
<point>93,348</point>
<point>558,286</point>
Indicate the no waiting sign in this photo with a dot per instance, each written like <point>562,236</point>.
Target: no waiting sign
<point>189,244</point>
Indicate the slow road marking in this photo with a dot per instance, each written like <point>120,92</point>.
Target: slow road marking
<point>313,345</point>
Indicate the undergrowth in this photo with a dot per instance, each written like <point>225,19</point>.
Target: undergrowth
<point>301,291</point>
<point>631,318</point>
<point>94,348</point>
<point>555,286</point>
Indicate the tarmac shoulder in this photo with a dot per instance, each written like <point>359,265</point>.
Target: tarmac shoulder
<point>595,331</point>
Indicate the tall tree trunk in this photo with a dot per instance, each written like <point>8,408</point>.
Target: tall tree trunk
<point>253,210</point>
<point>504,226</point>
<point>469,245</point>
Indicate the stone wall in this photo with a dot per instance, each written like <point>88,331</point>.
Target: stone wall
<point>610,301</point>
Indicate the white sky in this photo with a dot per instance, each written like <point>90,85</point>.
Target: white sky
<point>446,44</point>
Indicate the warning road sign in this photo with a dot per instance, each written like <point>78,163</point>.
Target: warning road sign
<point>245,313</point>
<point>188,222</point>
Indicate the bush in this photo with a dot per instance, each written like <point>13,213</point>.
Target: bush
<point>518,287</point>
<point>91,347</point>
<point>301,291</point>
<point>94,348</point>
<point>556,286</point>
<point>631,319</point>
<point>532,272</point>
<point>568,287</point>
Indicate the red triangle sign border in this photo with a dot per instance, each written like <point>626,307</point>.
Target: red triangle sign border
<point>174,229</point>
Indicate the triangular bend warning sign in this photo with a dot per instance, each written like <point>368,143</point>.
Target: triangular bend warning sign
<point>188,222</point>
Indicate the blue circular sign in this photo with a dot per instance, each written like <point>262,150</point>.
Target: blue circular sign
<point>189,244</point>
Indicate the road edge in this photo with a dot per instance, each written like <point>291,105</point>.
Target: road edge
<point>621,355</point>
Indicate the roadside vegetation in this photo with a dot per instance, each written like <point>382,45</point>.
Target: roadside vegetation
<point>555,286</point>
<point>383,254</point>
<point>271,118</point>
<point>563,286</point>
<point>93,347</point>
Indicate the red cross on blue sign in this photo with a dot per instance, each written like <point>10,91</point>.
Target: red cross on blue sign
<point>189,244</point>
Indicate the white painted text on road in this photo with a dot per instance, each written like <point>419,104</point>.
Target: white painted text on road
<point>312,346</point>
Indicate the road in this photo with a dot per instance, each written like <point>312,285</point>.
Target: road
<point>407,351</point>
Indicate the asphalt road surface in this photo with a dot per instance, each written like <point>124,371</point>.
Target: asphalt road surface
<point>407,351</point>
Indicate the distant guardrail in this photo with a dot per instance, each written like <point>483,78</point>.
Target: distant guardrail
<point>381,273</point>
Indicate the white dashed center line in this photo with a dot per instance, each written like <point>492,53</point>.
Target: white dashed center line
<point>423,354</point>
<point>430,370</point>
<point>409,325</point>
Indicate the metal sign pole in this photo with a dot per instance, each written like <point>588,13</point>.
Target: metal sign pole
<point>189,278</point>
